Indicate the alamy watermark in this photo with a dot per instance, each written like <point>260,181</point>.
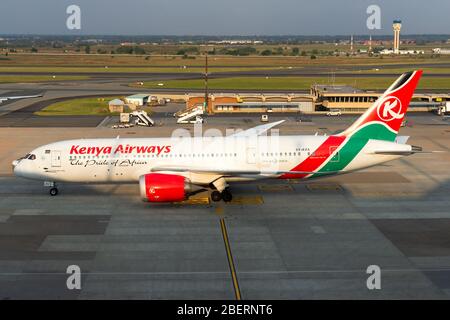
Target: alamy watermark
<point>73,21</point>
<point>73,281</point>
<point>373,21</point>
<point>374,280</point>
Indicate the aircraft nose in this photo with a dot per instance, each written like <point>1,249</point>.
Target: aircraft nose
<point>15,165</point>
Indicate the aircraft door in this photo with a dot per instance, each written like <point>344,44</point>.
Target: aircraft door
<point>56,158</point>
<point>251,155</point>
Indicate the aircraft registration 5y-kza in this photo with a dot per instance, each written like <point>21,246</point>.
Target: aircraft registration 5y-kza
<point>173,169</point>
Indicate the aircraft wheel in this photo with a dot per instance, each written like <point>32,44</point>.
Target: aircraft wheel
<point>216,196</point>
<point>226,195</point>
<point>53,192</point>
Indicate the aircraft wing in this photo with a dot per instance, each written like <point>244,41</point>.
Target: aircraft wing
<point>256,131</point>
<point>234,173</point>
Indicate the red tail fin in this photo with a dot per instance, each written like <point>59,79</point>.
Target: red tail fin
<point>391,107</point>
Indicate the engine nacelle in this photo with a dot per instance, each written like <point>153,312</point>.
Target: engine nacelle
<point>161,187</point>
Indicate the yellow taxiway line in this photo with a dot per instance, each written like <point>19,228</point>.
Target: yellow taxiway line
<point>237,291</point>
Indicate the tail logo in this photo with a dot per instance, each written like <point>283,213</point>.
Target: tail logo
<point>390,109</point>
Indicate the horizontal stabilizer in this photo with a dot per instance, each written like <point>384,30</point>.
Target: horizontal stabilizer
<point>404,153</point>
<point>402,139</point>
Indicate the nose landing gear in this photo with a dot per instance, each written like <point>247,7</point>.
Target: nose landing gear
<point>53,189</point>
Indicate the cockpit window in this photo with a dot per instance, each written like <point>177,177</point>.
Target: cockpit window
<point>31,157</point>
<point>24,157</point>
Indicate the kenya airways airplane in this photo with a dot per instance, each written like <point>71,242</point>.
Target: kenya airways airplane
<point>172,169</point>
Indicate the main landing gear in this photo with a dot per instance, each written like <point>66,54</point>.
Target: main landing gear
<point>225,195</point>
<point>221,191</point>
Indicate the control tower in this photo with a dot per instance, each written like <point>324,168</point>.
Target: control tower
<point>396,26</point>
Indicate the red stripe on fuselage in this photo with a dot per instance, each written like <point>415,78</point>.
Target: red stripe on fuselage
<point>317,158</point>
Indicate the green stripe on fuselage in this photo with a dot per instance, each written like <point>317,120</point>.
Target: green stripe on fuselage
<point>354,145</point>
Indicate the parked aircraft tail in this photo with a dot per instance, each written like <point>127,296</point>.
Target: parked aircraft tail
<point>383,119</point>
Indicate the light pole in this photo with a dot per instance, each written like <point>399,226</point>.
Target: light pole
<point>205,103</point>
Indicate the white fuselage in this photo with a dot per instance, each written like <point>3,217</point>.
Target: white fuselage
<point>125,160</point>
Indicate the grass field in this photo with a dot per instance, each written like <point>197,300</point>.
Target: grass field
<point>27,78</point>
<point>119,69</point>
<point>401,70</point>
<point>292,83</point>
<point>127,61</point>
<point>84,106</point>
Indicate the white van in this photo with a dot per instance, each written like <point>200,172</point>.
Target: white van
<point>334,112</point>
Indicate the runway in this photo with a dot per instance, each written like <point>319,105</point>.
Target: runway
<point>286,239</point>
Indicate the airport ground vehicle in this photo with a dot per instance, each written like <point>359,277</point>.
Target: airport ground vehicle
<point>445,109</point>
<point>172,169</point>
<point>334,112</point>
<point>264,118</point>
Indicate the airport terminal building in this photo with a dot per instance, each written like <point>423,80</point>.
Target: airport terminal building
<point>321,98</point>
<point>259,103</point>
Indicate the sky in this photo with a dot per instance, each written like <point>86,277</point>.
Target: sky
<point>222,17</point>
